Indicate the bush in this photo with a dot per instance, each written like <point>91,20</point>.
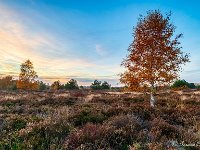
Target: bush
<point>116,133</point>
<point>48,133</point>
<point>46,137</point>
<point>18,124</point>
<point>183,84</point>
<point>86,116</point>
<point>90,133</point>
<point>134,100</point>
<point>57,102</point>
<point>161,130</point>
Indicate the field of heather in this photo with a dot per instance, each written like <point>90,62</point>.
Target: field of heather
<point>87,120</point>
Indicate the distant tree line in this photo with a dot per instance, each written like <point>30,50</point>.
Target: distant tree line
<point>73,85</point>
<point>70,85</point>
<point>182,84</point>
<point>98,85</point>
<point>28,80</point>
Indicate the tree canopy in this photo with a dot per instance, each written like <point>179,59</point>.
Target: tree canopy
<point>155,55</point>
<point>8,83</point>
<point>56,85</point>
<point>183,84</point>
<point>98,85</point>
<point>27,77</point>
<point>71,85</point>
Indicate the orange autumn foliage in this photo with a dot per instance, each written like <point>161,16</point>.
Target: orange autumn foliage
<point>27,77</point>
<point>154,55</point>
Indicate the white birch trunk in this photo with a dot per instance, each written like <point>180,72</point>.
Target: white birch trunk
<point>152,100</point>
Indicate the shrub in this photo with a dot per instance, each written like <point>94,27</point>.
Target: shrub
<point>45,137</point>
<point>142,111</point>
<point>48,133</point>
<point>160,129</point>
<point>116,133</point>
<point>88,116</point>
<point>90,133</point>
<point>133,100</point>
<point>56,102</point>
<point>113,111</point>
<point>18,124</point>
<point>14,143</point>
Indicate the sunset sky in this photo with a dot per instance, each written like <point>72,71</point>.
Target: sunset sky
<point>86,39</point>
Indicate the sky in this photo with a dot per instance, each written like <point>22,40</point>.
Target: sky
<point>86,39</point>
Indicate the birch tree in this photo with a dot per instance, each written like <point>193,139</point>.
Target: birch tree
<point>154,57</point>
<point>27,77</point>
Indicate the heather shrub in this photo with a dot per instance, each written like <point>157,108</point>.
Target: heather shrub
<point>161,130</point>
<point>88,116</point>
<point>113,111</point>
<point>12,103</point>
<point>142,111</point>
<point>18,124</point>
<point>125,131</point>
<point>123,121</point>
<point>89,134</point>
<point>46,137</point>
<point>62,120</point>
<point>57,102</point>
<point>104,100</point>
<point>78,93</point>
<point>13,142</point>
<point>116,133</point>
<point>133,100</point>
<point>48,133</point>
<point>193,102</point>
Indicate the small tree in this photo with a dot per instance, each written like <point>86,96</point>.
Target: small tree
<point>43,86</point>
<point>56,85</point>
<point>198,87</point>
<point>180,84</point>
<point>96,85</point>
<point>71,85</point>
<point>81,87</point>
<point>105,85</point>
<point>8,83</point>
<point>154,58</point>
<point>27,77</point>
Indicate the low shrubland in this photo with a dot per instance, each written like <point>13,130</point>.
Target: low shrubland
<point>99,120</point>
